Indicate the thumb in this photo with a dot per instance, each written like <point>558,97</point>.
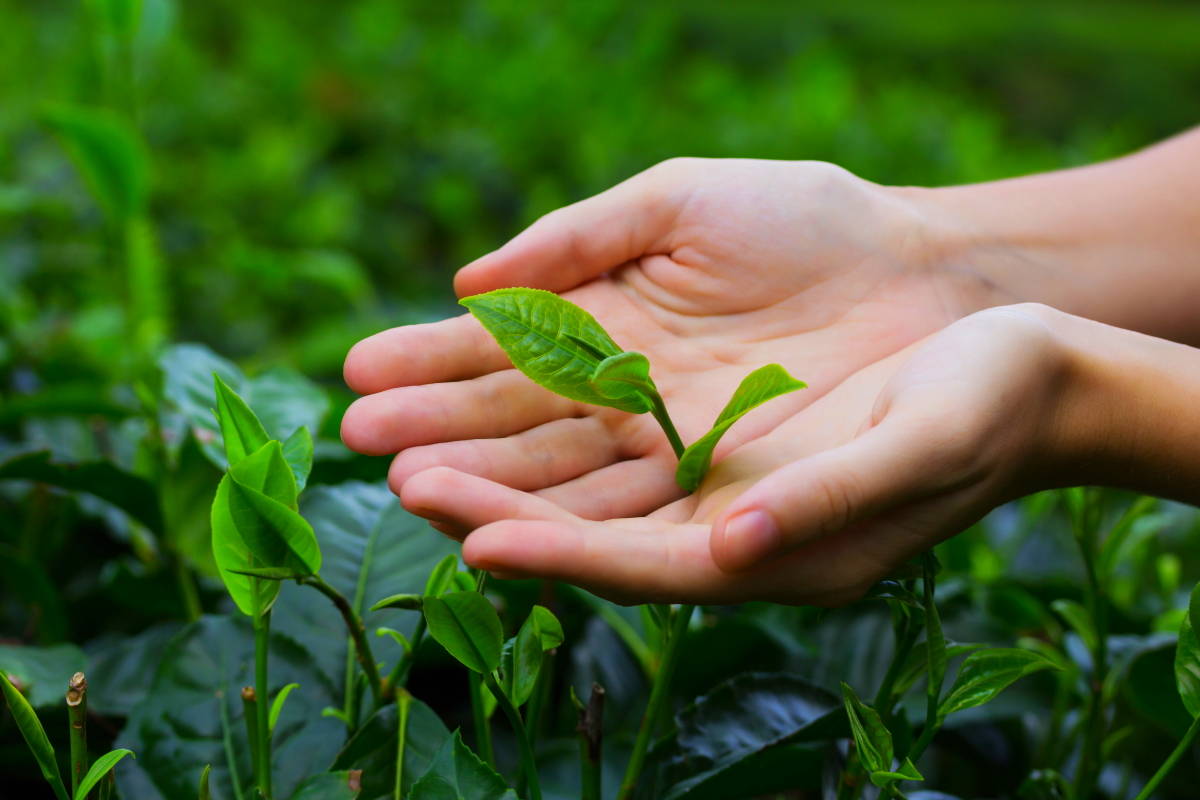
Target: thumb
<point>576,243</point>
<point>903,459</point>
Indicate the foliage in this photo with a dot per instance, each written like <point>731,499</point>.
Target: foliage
<point>276,180</point>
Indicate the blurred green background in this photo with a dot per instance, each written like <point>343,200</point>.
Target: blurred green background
<point>317,170</point>
<point>278,179</point>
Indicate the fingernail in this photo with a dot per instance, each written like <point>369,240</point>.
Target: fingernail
<point>750,537</point>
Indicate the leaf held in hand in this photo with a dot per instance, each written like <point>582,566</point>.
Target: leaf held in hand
<point>626,377</point>
<point>764,384</point>
<point>554,342</point>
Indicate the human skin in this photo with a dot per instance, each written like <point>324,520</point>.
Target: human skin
<point>713,268</point>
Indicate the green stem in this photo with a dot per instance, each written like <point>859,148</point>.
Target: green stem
<point>77,715</point>
<point>537,701</point>
<point>250,717</point>
<point>262,638</point>
<point>1172,759</point>
<point>398,677</point>
<point>923,741</point>
<point>403,703</point>
<point>659,695</point>
<point>658,410</point>
<point>187,589</point>
<point>528,762</point>
<point>1094,729</point>
<point>227,745</point>
<point>906,638</point>
<point>483,728</point>
<point>357,632</point>
<point>591,733</point>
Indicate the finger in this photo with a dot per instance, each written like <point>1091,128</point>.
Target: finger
<point>498,404</point>
<point>903,459</point>
<point>448,496</point>
<point>575,244</point>
<point>534,459</point>
<point>625,489</point>
<point>434,352</point>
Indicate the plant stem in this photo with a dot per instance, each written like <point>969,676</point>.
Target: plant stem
<point>1094,728</point>
<point>591,731</point>
<point>1172,759</point>
<point>659,695</point>
<point>398,677</point>
<point>227,744</point>
<point>262,638</point>
<point>537,701</point>
<point>187,589</point>
<point>483,728</point>
<point>77,713</point>
<point>403,703</point>
<point>659,411</point>
<point>357,632</point>
<point>906,638</point>
<point>250,717</point>
<point>528,763</point>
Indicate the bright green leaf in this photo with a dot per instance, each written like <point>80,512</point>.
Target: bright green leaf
<point>276,535</point>
<point>548,625</point>
<point>265,470</point>
<point>277,703</point>
<point>521,662</point>
<point>1187,658</point>
<point>441,578</point>
<point>34,734</point>
<point>98,770</point>
<point>986,673</point>
<point>467,625</point>
<point>757,388</point>
<point>626,377</point>
<point>204,793</point>
<point>298,453</point>
<point>871,737</point>
<point>408,602</point>
<point>241,430</point>
<point>554,342</point>
<point>907,772</point>
<point>110,155</point>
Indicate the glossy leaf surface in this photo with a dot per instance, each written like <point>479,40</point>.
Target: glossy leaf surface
<point>102,766</point>
<point>986,673</point>
<point>458,774</point>
<point>467,625</point>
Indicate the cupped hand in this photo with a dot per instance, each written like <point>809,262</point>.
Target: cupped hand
<point>906,452</point>
<point>711,268</point>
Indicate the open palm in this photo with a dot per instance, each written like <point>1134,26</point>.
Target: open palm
<point>710,268</point>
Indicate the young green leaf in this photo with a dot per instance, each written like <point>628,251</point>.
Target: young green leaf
<point>441,577</point>
<point>1079,620</point>
<point>548,625</point>
<point>986,673</point>
<point>277,703</point>
<point>626,377</point>
<point>276,535</point>
<point>203,793</point>
<point>298,453</point>
<point>907,772</point>
<point>241,430</point>
<point>871,737</point>
<point>467,625</point>
<point>521,662</point>
<point>100,768</point>
<point>407,602</point>
<point>554,342</point>
<point>757,388</point>
<point>1187,658</point>
<point>34,734</point>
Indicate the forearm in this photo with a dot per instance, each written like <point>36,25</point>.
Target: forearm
<point>1118,241</point>
<point>1130,415</point>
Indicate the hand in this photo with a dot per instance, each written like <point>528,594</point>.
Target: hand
<point>712,269</point>
<point>901,455</point>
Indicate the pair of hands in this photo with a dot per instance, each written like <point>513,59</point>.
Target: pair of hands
<point>920,415</point>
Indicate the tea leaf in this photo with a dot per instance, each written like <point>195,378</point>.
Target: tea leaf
<point>34,734</point>
<point>467,625</point>
<point>907,772</point>
<point>522,662</point>
<point>871,737</point>
<point>458,774</point>
<point>407,602</point>
<point>626,377</point>
<point>986,673</point>
<point>276,535</point>
<point>549,626</point>
<point>1187,658</point>
<point>241,430</point>
<point>441,578</point>
<point>298,453</point>
<point>1080,621</point>
<point>277,703</point>
<point>764,384</point>
<point>99,769</point>
<point>204,793</point>
<point>554,342</point>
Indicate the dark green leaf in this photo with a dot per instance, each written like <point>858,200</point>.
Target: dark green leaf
<point>986,673</point>
<point>127,664</point>
<point>41,672</point>
<point>373,749</point>
<point>102,766</point>
<point>203,793</point>
<point>1078,618</point>
<point>134,495</point>
<point>271,573</point>
<point>330,786</point>
<point>764,384</point>
<point>467,625</point>
<point>522,662</point>
<point>110,155</point>
<point>626,377</point>
<point>458,774</point>
<point>241,431</point>
<point>752,714</point>
<point>34,734</point>
<point>1187,658</point>
<point>191,715</point>
<point>554,342</point>
<point>872,739</point>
